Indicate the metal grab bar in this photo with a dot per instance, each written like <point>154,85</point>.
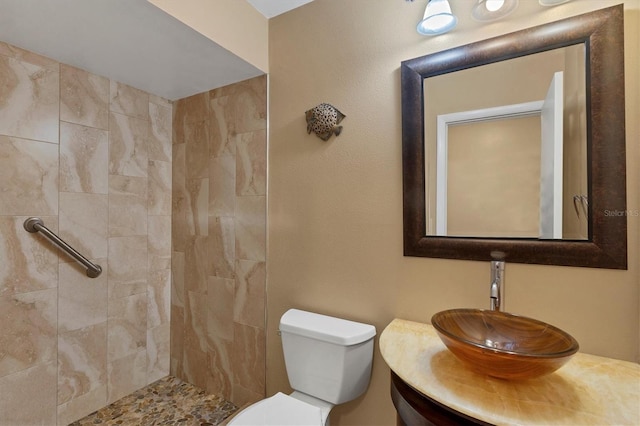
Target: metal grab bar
<point>35,224</point>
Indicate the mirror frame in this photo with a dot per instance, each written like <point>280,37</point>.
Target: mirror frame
<point>602,33</point>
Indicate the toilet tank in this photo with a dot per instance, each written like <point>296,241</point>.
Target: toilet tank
<point>326,357</point>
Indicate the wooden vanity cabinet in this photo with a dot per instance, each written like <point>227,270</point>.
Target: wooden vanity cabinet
<point>415,409</point>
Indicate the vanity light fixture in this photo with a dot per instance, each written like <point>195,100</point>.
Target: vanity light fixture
<point>490,10</point>
<point>437,19</point>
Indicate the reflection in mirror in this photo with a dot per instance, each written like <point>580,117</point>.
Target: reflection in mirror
<point>508,158</point>
<point>575,210</point>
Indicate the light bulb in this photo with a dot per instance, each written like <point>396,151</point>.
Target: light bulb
<point>493,5</point>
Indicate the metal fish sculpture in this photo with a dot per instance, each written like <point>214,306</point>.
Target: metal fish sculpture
<point>323,120</point>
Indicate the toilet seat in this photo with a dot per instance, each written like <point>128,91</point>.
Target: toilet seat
<point>279,410</point>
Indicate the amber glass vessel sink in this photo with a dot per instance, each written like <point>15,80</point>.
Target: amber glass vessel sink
<point>504,345</point>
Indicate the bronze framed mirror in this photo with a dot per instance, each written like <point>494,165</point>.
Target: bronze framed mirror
<point>601,203</point>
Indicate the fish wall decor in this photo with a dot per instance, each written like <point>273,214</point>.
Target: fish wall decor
<point>323,120</point>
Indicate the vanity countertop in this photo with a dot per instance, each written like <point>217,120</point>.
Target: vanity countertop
<point>588,390</point>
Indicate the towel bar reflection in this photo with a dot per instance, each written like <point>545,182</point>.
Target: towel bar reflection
<point>35,224</point>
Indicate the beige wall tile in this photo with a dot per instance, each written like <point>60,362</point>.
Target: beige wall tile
<point>128,145</point>
<point>250,293</point>
<point>125,275</point>
<point>159,200</point>
<point>197,265</point>
<point>29,261</point>
<point>251,228</point>
<point>220,300</point>
<point>84,97</point>
<point>83,223</point>
<point>83,405</point>
<point>158,352</point>
<point>128,100</point>
<point>82,362</point>
<point>15,52</point>
<point>248,361</point>
<point>83,154</point>
<point>177,279</point>
<point>127,206</point>
<point>158,298</point>
<point>159,132</point>
<point>220,378</point>
<point>221,135</point>
<point>177,340</point>
<point>222,238</point>
<point>159,242</point>
<point>28,177</point>
<point>29,396</point>
<point>197,215</point>
<point>29,106</point>
<point>126,375</point>
<point>127,330</point>
<point>222,186</point>
<point>29,339</point>
<point>197,150</point>
<point>251,163</point>
<point>81,300</point>
<point>179,199</point>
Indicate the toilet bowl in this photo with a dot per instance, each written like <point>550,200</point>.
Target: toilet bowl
<point>328,362</point>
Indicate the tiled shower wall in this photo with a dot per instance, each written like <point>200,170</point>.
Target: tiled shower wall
<point>92,158</point>
<point>219,240</point>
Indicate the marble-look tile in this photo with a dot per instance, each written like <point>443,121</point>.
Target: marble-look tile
<point>197,216</point>
<point>81,300</point>
<point>82,361</point>
<point>84,97</point>
<point>222,186</point>
<point>28,177</point>
<point>29,396</point>
<point>250,294</point>
<point>179,199</point>
<point>158,352</point>
<point>220,360</point>
<point>83,405</point>
<point>222,140</point>
<point>159,146</point>
<point>128,145</point>
<point>251,228</point>
<point>29,261</point>
<point>126,375</point>
<point>15,52</point>
<point>197,265</point>
<point>125,274</point>
<point>29,106</point>
<point>127,206</point>
<point>189,110</point>
<point>159,200</point>
<point>195,334</point>
<point>158,298</point>
<point>128,100</point>
<point>159,242</point>
<point>177,278</point>
<point>84,154</point>
<point>244,396</point>
<point>195,366</point>
<point>83,224</point>
<point>197,149</point>
<point>160,101</point>
<point>177,339</point>
<point>220,299</point>
<point>127,331</point>
<point>251,166</point>
<point>246,107</point>
<point>222,240</point>
<point>28,333</point>
<point>249,358</point>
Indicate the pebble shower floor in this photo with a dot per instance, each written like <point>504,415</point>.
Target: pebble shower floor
<point>168,401</point>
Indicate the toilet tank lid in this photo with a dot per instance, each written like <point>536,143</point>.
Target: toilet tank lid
<point>325,328</point>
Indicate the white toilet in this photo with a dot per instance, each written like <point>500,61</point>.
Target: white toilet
<point>328,362</point>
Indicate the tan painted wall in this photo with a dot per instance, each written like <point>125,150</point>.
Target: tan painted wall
<point>335,208</point>
<point>233,24</point>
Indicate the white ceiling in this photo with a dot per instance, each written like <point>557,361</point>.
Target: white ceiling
<point>130,41</point>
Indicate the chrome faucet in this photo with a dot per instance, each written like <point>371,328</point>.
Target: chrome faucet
<point>497,281</point>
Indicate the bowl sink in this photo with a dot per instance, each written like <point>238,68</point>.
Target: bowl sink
<point>504,345</point>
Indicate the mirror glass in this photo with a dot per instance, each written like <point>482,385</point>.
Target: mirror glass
<point>478,172</point>
<point>508,159</point>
